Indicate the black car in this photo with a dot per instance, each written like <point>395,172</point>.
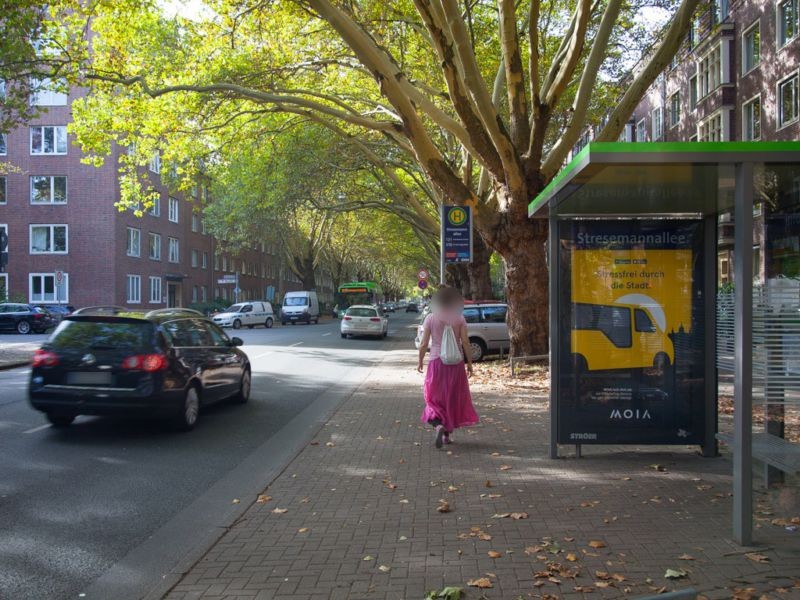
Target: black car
<point>24,318</point>
<point>412,307</point>
<point>165,363</point>
<point>59,311</point>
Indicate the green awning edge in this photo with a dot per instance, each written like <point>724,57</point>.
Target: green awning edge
<point>650,148</point>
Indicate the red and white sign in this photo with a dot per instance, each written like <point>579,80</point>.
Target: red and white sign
<point>423,274</point>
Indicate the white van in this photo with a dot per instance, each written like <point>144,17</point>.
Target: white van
<point>300,306</point>
<point>246,313</point>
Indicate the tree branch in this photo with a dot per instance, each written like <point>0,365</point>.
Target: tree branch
<point>566,66</point>
<point>515,77</point>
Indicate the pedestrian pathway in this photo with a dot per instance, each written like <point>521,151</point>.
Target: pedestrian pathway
<point>15,354</point>
<point>370,509</point>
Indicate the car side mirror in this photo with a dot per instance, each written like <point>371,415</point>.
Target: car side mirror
<point>236,341</point>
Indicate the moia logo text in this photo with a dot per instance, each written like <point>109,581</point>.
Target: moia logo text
<point>631,415</point>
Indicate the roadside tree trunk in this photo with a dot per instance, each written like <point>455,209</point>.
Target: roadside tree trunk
<point>480,279</point>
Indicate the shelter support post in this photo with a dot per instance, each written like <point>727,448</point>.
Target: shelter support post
<point>743,340</point>
<point>555,353</point>
<point>710,446</point>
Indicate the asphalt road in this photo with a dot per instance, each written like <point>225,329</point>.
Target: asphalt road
<point>85,507</point>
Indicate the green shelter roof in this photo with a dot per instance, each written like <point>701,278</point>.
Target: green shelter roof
<point>652,177</point>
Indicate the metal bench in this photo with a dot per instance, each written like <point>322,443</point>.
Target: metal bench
<point>772,450</point>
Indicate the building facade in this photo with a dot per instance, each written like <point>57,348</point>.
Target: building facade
<point>68,243</point>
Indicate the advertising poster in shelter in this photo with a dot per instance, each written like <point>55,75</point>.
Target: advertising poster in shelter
<point>632,336</point>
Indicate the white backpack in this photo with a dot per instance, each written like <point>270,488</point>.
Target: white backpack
<point>450,353</point>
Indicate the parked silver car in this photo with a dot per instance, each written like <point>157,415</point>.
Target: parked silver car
<point>486,326</point>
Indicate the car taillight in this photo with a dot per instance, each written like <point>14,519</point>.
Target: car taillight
<point>37,316</point>
<point>347,318</point>
<point>45,358</point>
<point>145,362</point>
<point>376,319</point>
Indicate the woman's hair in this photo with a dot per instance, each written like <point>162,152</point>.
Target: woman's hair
<point>448,297</point>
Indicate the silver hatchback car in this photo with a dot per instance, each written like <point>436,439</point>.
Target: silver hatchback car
<point>486,326</point>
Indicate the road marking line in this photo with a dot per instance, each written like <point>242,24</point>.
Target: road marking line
<point>39,428</point>
<point>265,353</point>
<point>324,334</point>
<point>297,344</point>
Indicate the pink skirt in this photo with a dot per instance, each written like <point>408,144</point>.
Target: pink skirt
<point>447,396</point>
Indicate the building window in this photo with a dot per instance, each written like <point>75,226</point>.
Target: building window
<point>154,244</point>
<point>2,190</point>
<point>203,226</point>
<point>674,109</point>
<point>155,163</point>
<point>174,250</point>
<point>173,209</point>
<point>195,222</point>
<point>195,258</point>
<point>657,117</point>
<point>195,293</point>
<point>711,130</point>
<point>788,101</point>
<point>788,21</point>
<point>48,239</point>
<point>693,92</point>
<point>751,47</point>
<point>224,264</point>
<point>641,131</point>
<point>3,148</point>
<point>46,93</point>
<point>46,189</point>
<point>155,210</point>
<point>204,294</point>
<point>204,264</point>
<point>155,290</point>
<point>134,245</point>
<point>43,288</point>
<point>751,119</point>
<point>134,289</point>
<point>49,139</point>
<point>709,71</point>
<point>721,10</point>
<point>3,287</point>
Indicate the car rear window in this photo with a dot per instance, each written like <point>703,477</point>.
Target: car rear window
<point>295,301</point>
<point>362,312</point>
<point>102,334</point>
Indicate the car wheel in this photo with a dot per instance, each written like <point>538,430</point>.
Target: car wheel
<point>250,326</point>
<point>243,395</point>
<point>478,349</point>
<point>386,333</point>
<point>60,420</point>
<point>23,327</point>
<point>268,323</point>
<point>237,324</point>
<point>186,419</point>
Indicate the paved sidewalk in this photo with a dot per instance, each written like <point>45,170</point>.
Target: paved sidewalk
<point>16,354</point>
<point>355,514</point>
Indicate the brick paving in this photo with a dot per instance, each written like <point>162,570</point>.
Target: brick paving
<point>355,514</point>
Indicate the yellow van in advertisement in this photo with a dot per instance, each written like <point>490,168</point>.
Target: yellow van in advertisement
<point>618,336</point>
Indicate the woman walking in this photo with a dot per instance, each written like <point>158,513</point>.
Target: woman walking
<point>448,402</point>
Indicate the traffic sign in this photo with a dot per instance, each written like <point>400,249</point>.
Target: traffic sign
<point>456,234</point>
<point>423,274</point>
<point>237,290</point>
<point>231,278</point>
<point>59,277</point>
<point>422,284</point>
<point>226,281</point>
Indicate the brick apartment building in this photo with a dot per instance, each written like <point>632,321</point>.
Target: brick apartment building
<point>60,220</point>
<point>735,78</point>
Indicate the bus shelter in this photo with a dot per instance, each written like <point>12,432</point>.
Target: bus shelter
<point>633,250</point>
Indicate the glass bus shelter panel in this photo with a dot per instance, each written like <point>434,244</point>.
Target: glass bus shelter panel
<point>632,329</point>
<point>641,189</point>
<point>777,197</point>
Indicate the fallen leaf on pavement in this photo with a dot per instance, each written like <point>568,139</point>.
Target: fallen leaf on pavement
<point>505,467</point>
<point>330,444</point>
<point>448,593</point>
<point>602,584</point>
<point>482,583</point>
<point>368,558</point>
<point>314,443</point>
<point>755,557</point>
<point>501,515</point>
<point>404,501</point>
<point>519,515</point>
<point>685,557</point>
<point>280,511</point>
<point>303,530</point>
<point>488,483</point>
<point>571,557</point>
<point>494,554</point>
<point>444,506</point>
<point>262,499</point>
<point>596,544</point>
<point>675,574</point>
<point>235,501</point>
<point>660,468</point>
<point>452,488</point>
<point>584,589</point>
<point>384,569</point>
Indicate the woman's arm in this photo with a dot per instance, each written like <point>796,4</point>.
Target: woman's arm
<point>465,345</point>
<point>423,347</point>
